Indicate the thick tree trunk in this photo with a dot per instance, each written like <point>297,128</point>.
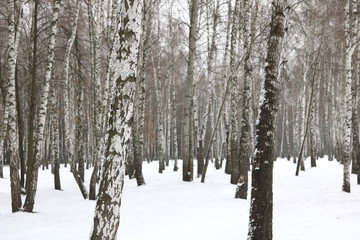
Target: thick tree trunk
<point>261,209</point>
<point>107,213</point>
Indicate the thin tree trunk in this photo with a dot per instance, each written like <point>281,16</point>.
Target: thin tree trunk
<point>241,190</point>
<point>32,173</point>
<point>188,144</point>
<point>139,124</point>
<point>32,107</point>
<point>350,35</point>
<point>20,135</point>
<point>235,173</point>
<point>11,106</point>
<point>307,113</point>
<point>69,139</point>
<point>54,123</point>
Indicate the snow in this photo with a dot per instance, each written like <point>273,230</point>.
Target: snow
<point>309,207</point>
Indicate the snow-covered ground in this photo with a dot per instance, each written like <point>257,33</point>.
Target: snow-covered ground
<point>309,207</point>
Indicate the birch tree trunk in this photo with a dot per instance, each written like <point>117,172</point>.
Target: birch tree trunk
<point>225,114</point>
<point>302,115</point>
<point>10,104</point>
<point>350,35</point>
<point>69,136</point>
<point>107,212</point>
<point>234,99</point>
<point>140,106</point>
<point>54,123</point>
<point>313,143</point>
<point>79,134</point>
<point>32,173</point>
<point>261,209</point>
<point>98,93</point>
<point>20,127</point>
<point>355,122</point>
<point>174,119</point>
<point>241,190</point>
<point>32,107</point>
<point>21,131</point>
<point>307,112</point>
<point>207,124</point>
<point>188,144</point>
<point>160,112</point>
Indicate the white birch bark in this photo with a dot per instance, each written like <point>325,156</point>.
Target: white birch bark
<point>39,133</point>
<point>160,112</point>
<point>140,97</point>
<point>111,61</point>
<point>313,128</point>
<point>355,123</point>
<point>242,181</point>
<point>10,108</point>
<point>69,141</point>
<point>303,112</point>
<point>54,123</point>
<point>234,94</point>
<point>100,103</point>
<point>98,94</point>
<point>68,109</point>
<point>208,119</point>
<point>107,212</point>
<point>351,36</point>
<point>188,144</point>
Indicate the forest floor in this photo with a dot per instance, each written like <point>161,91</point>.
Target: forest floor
<point>309,207</point>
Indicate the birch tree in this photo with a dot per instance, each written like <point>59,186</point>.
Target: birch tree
<point>261,208</point>
<point>54,123</point>
<point>32,173</point>
<point>241,191</point>
<point>32,107</point>
<point>355,122</point>
<point>209,115</point>
<point>69,136</point>
<point>11,107</point>
<point>351,35</point>
<point>234,98</point>
<point>96,31</point>
<point>107,211</point>
<point>140,99</point>
<point>188,144</point>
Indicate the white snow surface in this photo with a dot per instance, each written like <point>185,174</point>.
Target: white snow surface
<point>309,207</point>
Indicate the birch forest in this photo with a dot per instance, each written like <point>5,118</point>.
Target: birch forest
<point>103,87</point>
